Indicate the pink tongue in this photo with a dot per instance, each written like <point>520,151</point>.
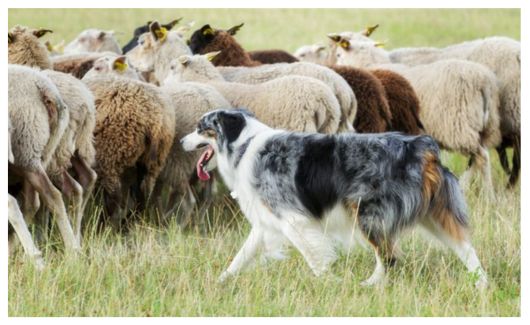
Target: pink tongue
<point>201,171</point>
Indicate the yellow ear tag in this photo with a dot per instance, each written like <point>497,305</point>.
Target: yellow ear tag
<point>380,44</point>
<point>208,31</point>
<point>49,46</point>
<point>120,66</point>
<point>161,34</point>
<point>344,44</point>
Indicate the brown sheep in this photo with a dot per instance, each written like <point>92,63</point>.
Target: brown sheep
<point>134,132</point>
<point>373,113</point>
<point>272,56</point>
<point>402,100</point>
<point>76,64</point>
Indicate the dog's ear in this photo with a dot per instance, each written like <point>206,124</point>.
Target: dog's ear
<point>232,123</point>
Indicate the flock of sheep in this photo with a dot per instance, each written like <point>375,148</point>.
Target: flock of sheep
<point>92,113</point>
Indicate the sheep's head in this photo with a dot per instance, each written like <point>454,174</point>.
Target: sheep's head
<point>145,28</point>
<point>113,64</point>
<point>94,40</point>
<point>193,68</point>
<point>24,47</point>
<point>155,50</point>
<point>206,39</point>
<point>360,53</point>
<point>315,53</point>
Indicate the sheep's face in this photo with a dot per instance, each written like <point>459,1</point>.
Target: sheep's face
<point>359,54</point>
<point>93,40</point>
<point>193,68</point>
<point>24,47</point>
<point>312,53</point>
<point>142,56</point>
<point>113,64</point>
<point>201,38</point>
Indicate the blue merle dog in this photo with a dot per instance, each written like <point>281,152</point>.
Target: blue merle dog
<point>316,191</point>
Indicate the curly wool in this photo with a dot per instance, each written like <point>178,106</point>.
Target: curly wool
<point>134,124</point>
<point>256,75</point>
<point>38,116</point>
<point>272,56</point>
<point>26,49</point>
<point>292,102</point>
<point>402,100</point>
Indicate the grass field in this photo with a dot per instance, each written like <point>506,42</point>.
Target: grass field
<point>155,271</point>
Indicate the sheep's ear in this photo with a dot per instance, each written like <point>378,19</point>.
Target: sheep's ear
<point>120,63</point>
<point>345,44</point>
<point>172,24</point>
<point>10,38</point>
<point>211,55</point>
<point>369,30</point>
<point>334,37</point>
<point>184,29</point>
<point>184,60</point>
<point>41,32</point>
<point>206,30</point>
<point>320,48</point>
<point>159,33</point>
<point>235,29</point>
<point>380,44</point>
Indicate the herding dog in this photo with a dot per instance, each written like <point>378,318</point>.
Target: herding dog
<point>314,190</point>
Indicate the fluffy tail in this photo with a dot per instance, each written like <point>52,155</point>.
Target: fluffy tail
<point>447,206</point>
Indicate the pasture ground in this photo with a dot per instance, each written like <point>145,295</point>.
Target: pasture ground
<point>164,271</point>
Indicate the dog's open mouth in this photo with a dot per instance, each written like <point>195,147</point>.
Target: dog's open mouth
<point>206,156</point>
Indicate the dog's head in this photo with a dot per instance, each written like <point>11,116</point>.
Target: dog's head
<point>217,131</point>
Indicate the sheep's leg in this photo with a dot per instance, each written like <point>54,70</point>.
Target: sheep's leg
<point>86,177</point>
<point>53,199</point>
<point>503,158</point>
<point>31,201</point>
<point>185,206</point>
<point>516,162</point>
<point>16,219</point>
<point>483,163</point>
<point>74,192</point>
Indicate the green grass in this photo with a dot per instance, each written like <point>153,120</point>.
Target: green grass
<point>163,271</point>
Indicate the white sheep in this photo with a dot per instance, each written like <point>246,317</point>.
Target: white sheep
<point>76,148</point>
<point>156,50</point>
<point>93,40</point>
<point>503,56</point>
<point>292,102</point>
<point>263,73</point>
<point>39,118</point>
<point>16,219</point>
<point>459,101</point>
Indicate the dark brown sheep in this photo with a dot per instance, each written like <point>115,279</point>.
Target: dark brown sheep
<point>373,113</point>
<point>272,56</point>
<point>207,40</point>
<point>75,64</point>
<point>402,100</point>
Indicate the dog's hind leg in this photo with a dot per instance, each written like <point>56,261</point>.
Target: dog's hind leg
<point>458,242</point>
<point>307,235</point>
<point>246,254</point>
<point>384,258</point>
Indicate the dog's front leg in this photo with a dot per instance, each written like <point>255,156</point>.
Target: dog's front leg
<point>246,254</point>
